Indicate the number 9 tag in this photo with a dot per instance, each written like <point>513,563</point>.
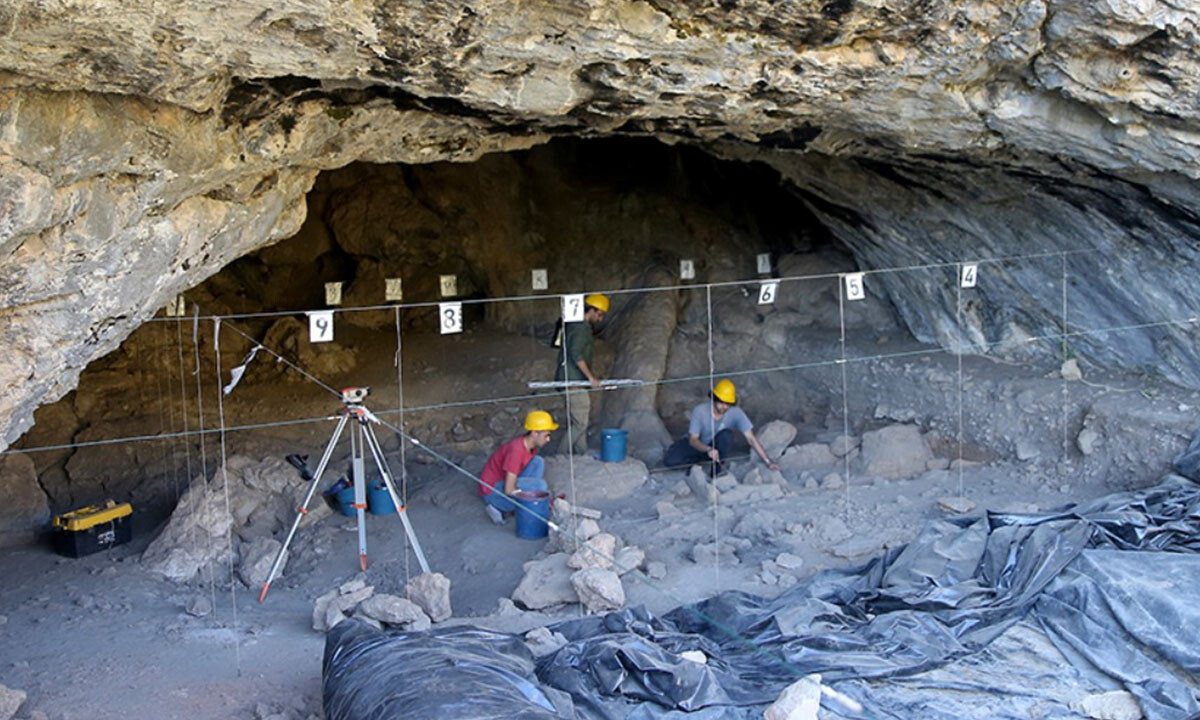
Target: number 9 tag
<point>320,326</point>
<point>450,317</point>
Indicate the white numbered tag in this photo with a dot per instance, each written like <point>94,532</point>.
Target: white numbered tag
<point>764,263</point>
<point>393,290</point>
<point>449,285</point>
<point>970,274</point>
<point>333,293</point>
<point>450,317</point>
<point>687,269</point>
<point>766,293</point>
<point>854,286</point>
<point>572,308</point>
<point>177,307</point>
<point>320,326</point>
<point>539,279</point>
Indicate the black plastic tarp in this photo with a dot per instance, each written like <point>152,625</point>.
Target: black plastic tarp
<point>1107,589</point>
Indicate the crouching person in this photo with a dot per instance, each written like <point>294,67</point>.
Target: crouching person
<point>517,465</point>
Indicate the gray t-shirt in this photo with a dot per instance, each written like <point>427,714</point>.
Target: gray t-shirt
<point>702,422</point>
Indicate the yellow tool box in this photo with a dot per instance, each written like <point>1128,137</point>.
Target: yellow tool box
<point>92,529</point>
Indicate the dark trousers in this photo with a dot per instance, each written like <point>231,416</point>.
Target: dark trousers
<point>682,453</point>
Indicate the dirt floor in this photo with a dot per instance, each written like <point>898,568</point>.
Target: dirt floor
<point>101,637</point>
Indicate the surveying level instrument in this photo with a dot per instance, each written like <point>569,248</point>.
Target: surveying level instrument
<point>362,435</point>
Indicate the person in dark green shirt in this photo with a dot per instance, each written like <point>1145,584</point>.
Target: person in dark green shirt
<point>575,363</point>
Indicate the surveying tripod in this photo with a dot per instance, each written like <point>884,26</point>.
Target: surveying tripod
<point>361,435</point>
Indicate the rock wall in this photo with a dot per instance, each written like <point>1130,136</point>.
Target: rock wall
<point>145,146</point>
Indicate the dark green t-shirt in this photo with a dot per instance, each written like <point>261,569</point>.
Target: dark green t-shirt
<point>577,344</point>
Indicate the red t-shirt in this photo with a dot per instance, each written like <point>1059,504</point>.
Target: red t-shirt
<point>511,457</point>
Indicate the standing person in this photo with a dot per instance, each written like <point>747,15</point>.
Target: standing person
<point>710,431</point>
<point>517,464</point>
<point>575,363</point>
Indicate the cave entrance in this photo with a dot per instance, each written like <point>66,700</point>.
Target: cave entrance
<point>618,214</point>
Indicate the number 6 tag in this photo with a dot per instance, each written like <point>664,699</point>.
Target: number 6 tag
<point>572,308</point>
<point>450,317</point>
<point>854,286</point>
<point>320,326</point>
<point>766,293</point>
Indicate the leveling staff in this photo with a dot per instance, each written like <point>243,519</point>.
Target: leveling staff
<point>517,464</point>
<point>576,362</point>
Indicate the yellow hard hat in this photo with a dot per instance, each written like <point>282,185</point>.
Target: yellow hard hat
<point>540,420</point>
<point>725,391</point>
<point>598,301</point>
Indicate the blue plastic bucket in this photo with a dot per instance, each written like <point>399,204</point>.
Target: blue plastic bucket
<point>531,525</point>
<point>379,500</point>
<point>345,501</point>
<point>612,445</point>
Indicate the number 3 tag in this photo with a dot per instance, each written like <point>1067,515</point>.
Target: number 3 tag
<point>450,317</point>
<point>320,326</point>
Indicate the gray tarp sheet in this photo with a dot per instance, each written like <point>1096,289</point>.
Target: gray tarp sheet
<point>1100,596</point>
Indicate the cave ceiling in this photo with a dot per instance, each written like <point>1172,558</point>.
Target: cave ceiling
<point>145,145</point>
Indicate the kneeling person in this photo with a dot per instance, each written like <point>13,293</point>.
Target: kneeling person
<point>710,432</point>
<point>516,464</point>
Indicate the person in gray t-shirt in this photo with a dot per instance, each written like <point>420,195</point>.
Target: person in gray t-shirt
<point>710,432</point>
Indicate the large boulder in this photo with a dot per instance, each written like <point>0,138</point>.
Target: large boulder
<point>895,452</point>
<point>24,510</point>
<point>394,611</point>
<point>262,499</point>
<point>592,481</point>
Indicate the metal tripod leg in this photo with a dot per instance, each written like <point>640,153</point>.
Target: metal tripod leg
<point>360,489</point>
<point>389,481</point>
<point>303,509</point>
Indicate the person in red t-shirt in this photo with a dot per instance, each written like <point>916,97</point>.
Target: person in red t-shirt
<point>517,464</point>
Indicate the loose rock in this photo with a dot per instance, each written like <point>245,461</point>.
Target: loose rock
<point>597,552</point>
<point>698,483</point>
<point>1115,705</point>
<point>799,701</point>
<point>199,606</point>
<point>808,455</point>
<point>431,592</point>
<point>395,611</point>
<point>629,558</point>
<point>599,590</point>
<point>895,452</point>
<point>541,642</point>
<point>832,481</point>
<point>546,583</point>
<point>775,436</point>
<point>10,702</point>
<point>257,558</point>
<point>656,570</point>
<point>724,482</point>
<point>843,444</point>
<point>958,505</point>
<point>666,510</point>
<point>695,656</point>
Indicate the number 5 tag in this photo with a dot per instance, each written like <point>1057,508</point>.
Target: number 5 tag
<point>320,326</point>
<point>854,286</point>
<point>572,308</point>
<point>450,317</point>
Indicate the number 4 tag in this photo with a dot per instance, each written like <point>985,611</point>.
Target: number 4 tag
<point>970,275</point>
<point>854,286</point>
<point>572,308</point>
<point>320,326</point>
